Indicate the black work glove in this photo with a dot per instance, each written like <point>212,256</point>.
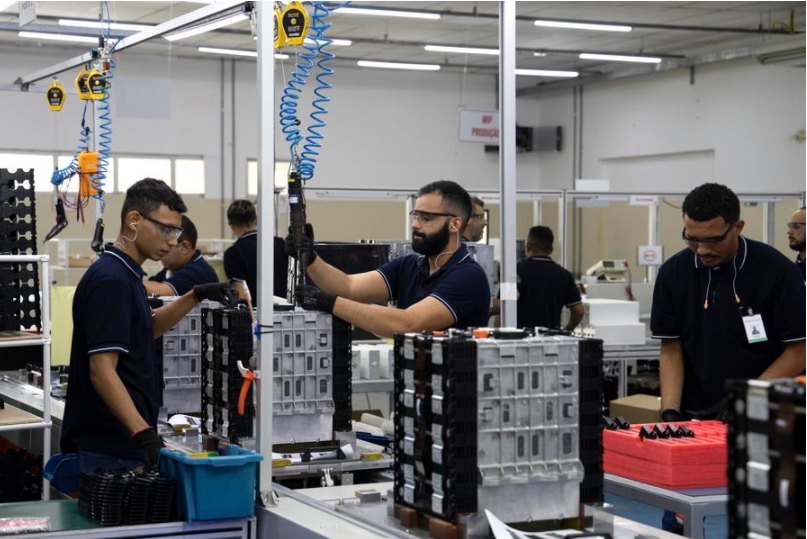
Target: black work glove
<point>311,298</point>
<point>308,244</point>
<point>719,412</point>
<point>671,415</point>
<point>221,292</point>
<point>148,440</point>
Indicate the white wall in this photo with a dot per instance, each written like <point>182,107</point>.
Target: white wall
<point>398,129</point>
<point>735,125</point>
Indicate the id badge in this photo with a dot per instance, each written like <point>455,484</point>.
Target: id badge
<point>754,328</point>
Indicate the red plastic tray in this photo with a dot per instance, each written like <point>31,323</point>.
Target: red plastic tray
<point>674,463</point>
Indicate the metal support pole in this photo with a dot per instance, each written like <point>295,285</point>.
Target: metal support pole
<point>507,159</point>
<point>537,212</point>
<point>266,232</point>
<point>652,237</point>
<point>410,205</point>
<point>562,227</point>
<point>768,222</point>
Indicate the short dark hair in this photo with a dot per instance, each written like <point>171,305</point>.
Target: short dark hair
<point>540,238</point>
<point>712,200</point>
<point>189,232</point>
<point>476,201</point>
<point>454,195</point>
<point>242,213</point>
<point>147,195</point>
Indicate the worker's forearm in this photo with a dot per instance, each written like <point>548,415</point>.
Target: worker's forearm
<point>671,374</point>
<point>112,391</point>
<point>382,321</point>
<point>574,320</point>
<point>789,364</point>
<point>329,278</point>
<point>169,315</point>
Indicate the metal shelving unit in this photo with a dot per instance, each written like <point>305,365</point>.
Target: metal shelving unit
<point>44,340</point>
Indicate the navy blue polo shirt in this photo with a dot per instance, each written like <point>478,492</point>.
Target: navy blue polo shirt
<point>196,271</point>
<point>241,264</point>
<point>800,265</point>
<point>713,338</point>
<point>110,314</point>
<point>544,287</point>
<point>460,284</point>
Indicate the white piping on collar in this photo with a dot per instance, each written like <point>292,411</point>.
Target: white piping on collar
<point>198,257</point>
<point>247,234</point>
<point>122,260</point>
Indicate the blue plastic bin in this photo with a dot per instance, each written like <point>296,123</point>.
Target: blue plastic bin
<point>213,488</point>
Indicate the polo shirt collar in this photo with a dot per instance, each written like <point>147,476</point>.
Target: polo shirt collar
<point>125,259</point>
<point>247,234</point>
<point>740,257</point>
<point>459,256</point>
<point>544,258</point>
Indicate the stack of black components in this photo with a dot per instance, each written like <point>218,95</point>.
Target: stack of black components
<point>342,375</point>
<point>19,282</point>
<point>20,476</point>
<point>454,477</point>
<point>119,498</point>
<point>591,410</point>
<point>226,340</point>
<point>766,459</point>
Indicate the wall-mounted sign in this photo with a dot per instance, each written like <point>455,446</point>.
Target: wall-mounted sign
<point>649,255</point>
<point>475,125</point>
<point>643,200</point>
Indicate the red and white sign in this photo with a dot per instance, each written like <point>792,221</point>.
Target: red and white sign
<point>650,255</point>
<point>643,200</point>
<point>478,126</point>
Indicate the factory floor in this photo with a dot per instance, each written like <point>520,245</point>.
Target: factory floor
<point>716,527</point>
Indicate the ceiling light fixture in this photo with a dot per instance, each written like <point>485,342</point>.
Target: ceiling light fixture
<point>583,26</point>
<point>546,73</point>
<point>396,65</point>
<point>621,58</point>
<point>59,37</point>
<point>209,27</point>
<point>461,50</point>
<point>103,26</point>
<point>334,42</point>
<point>387,13</point>
<point>238,52</point>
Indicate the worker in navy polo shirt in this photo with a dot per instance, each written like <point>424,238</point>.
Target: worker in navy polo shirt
<point>241,259</point>
<point>544,287</point>
<point>726,307</point>
<point>795,236</point>
<point>110,416</point>
<point>440,287</point>
<point>183,266</point>
<point>475,229</point>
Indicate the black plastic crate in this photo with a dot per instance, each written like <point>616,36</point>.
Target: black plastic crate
<point>590,416</point>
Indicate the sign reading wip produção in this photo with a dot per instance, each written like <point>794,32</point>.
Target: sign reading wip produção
<point>475,125</point>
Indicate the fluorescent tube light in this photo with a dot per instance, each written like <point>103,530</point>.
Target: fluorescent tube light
<point>396,65</point>
<point>334,42</point>
<point>461,50</point>
<point>238,52</point>
<point>59,37</point>
<point>102,25</point>
<point>583,26</point>
<point>387,13</point>
<point>546,73</point>
<point>204,28</point>
<point>621,58</point>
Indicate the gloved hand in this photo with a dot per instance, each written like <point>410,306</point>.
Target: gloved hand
<point>221,292</point>
<point>308,244</point>
<point>719,411</point>
<point>148,440</point>
<point>311,298</point>
<point>671,415</point>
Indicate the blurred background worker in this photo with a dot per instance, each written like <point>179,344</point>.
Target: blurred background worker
<point>795,235</point>
<point>475,229</point>
<point>183,266</point>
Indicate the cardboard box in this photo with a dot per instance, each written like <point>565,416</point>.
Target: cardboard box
<point>637,408</point>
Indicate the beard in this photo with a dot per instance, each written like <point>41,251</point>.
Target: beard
<point>430,244</point>
<point>797,245</point>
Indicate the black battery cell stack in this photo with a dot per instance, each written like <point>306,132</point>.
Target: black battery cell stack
<point>436,425</point>
<point>342,375</point>
<point>19,282</point>
<point>226,340</point>
<point>116,498</point>
<point>591,410</point>
<point>766,459</point>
